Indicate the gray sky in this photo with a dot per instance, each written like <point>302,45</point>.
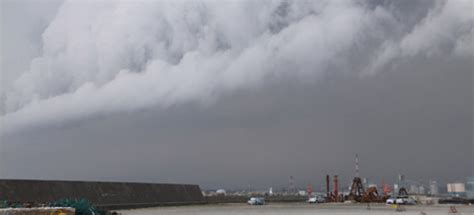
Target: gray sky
<point>236,93</point>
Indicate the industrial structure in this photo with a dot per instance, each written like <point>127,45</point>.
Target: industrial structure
<point>362,191</point>
<point>334,196</point>
<point>357,192</point>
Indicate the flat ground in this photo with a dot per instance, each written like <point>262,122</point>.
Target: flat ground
<point>298,208</point>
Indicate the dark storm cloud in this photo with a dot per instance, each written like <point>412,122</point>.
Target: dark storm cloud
<point>415,122</point>
<point>204,97</point>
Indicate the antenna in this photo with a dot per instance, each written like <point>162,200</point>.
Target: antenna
<point>357,165</point>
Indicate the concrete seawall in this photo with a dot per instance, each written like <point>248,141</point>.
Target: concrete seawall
<point>110,195</point>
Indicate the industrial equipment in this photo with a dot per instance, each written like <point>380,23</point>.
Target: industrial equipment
<point>371,195</point>
<point>333,196</point>
<point>357,190</point>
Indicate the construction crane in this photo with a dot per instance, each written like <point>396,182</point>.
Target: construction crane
<point>357,192</point>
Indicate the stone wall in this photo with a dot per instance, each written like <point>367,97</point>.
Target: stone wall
<point>37,211</point>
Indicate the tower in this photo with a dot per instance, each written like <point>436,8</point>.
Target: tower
<point>291,185</point>
<point>357,189</point>
<point>328,192</point>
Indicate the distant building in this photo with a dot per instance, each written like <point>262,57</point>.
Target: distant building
<point>434,189</point>
<point>421,190</point>
<point>220,192</point>
<point>413,189</point>
<point>470,187</point>
<point>456,189</point>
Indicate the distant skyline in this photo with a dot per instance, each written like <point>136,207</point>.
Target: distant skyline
<point>236,93</point>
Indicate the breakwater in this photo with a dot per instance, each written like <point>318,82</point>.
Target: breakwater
<point>110,195</point>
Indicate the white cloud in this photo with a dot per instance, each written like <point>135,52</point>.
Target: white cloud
<point>447,29</point>
<point>113,57</point>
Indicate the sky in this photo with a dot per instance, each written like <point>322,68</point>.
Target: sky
<point>236,94</point>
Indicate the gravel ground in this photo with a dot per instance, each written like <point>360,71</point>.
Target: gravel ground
<point>298,208</point>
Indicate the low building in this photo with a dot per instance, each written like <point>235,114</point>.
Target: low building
<point>302,193</point>
<point>221,192</point>
<point>470,187</point>
<point>456,189</point>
